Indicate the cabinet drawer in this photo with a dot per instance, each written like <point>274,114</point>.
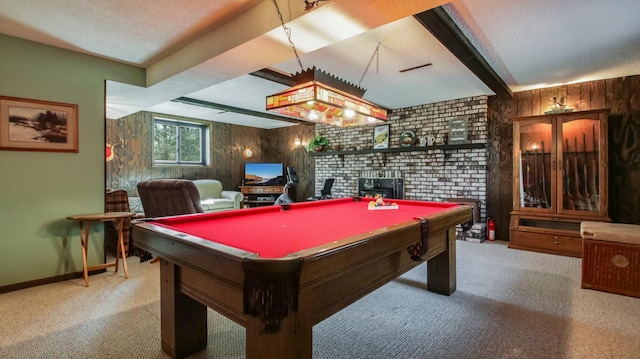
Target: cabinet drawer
<point>274,189</point>
<point>547,243</point>
<point>260,189</point>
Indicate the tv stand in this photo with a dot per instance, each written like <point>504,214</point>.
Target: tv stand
<point>255,196</point>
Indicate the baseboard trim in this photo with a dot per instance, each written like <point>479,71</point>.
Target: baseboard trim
<point>48,280</point>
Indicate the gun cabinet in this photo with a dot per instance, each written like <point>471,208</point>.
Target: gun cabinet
<point>559,180</point>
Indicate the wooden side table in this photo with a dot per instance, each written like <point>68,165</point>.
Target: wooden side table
<point>118,219</point>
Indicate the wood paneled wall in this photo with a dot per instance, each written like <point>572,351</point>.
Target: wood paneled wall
<point>279,145</point>
<point>131,137</point>
<point>621,95</point>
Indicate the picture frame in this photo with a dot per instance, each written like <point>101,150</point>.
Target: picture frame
<point>34,125</point>
<point>381,137</point>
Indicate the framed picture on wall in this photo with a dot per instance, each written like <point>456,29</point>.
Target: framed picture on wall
<point>33,125</point>
<point>381,137</point>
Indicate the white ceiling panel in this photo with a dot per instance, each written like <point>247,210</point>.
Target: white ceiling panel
<point>205,49</point>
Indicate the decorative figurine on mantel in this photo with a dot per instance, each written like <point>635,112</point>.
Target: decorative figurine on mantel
<point>431,139</point>
<point>558,106</point>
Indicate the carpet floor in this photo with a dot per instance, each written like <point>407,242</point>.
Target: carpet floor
<point>508,304</point>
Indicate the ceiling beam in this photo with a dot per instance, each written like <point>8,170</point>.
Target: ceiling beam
<point>442,26</point>
<point>218,106</point>
<point>275,76</point>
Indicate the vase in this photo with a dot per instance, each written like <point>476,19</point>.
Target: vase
<point>319,148</point>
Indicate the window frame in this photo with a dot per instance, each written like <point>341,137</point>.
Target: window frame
<point>205,129</point>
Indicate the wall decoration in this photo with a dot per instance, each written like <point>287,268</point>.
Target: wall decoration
<point>381,137</point>
<point>458,130</point>
<point>33,125</point>
<point>109,152</point>
<point>407,138</point>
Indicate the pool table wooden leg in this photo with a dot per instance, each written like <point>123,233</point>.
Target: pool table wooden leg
<point>441,269</point>
<point>293,340</point>
<point>184,320</point>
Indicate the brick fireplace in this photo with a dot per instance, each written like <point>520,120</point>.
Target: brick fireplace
<point>432,174</point>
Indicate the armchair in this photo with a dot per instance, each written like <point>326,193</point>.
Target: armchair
<point>169,197</point>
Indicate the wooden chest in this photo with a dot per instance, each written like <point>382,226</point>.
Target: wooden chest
<point>611,257</point>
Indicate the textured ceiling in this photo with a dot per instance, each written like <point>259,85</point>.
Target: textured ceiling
<point>205,49</point>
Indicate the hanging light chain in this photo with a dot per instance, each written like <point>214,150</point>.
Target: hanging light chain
<point>376,54</point>
<point>287,31</point>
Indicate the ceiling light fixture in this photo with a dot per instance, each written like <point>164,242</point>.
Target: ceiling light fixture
<point>310,4</point>
<point>323,98</point>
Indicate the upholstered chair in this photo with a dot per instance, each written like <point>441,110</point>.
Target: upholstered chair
<point>117,201</point>
<point>169,197</point>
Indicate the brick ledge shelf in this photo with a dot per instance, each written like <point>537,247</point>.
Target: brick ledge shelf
<point>400,149</point>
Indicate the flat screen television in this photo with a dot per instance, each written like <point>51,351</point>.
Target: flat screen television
<point>263,174</point>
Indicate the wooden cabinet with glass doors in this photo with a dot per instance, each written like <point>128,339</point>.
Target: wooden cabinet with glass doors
<point>559,180</point>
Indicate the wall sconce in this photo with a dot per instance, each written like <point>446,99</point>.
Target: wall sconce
<point>297,141</point>
<point>248,152</point>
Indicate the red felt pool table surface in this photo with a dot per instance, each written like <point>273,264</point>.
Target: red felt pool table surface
<point>273,232</point>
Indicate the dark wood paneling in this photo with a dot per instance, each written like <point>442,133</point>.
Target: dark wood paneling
<point>133,154</point>
<point>574,97</point>
<point>546,100</point>
<point>279,145</point>
<point>524,102</point>
<point>536,101</point>
<point>500,145</point>
<point>624,147</point>
<point>597,94</point>
<point>622,95</point>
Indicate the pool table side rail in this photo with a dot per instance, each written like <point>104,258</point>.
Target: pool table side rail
<point>196,241</point>
<point>333,282</point>
<point>438,221</point>
<point>213,277</point>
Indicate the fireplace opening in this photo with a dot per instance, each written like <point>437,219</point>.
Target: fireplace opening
<point>392,188</point>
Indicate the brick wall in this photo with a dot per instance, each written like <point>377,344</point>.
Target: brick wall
<point>428,175</point>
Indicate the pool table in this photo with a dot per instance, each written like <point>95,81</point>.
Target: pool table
<point>279,270</point>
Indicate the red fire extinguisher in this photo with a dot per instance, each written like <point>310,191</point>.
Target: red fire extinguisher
<point>491,229</point>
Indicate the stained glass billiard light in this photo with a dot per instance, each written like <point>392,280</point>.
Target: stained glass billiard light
<point>323,98</point>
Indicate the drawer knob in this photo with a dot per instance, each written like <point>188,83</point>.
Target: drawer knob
<point>557,242</point>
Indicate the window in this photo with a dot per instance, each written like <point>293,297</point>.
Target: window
<point>180,143</point>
